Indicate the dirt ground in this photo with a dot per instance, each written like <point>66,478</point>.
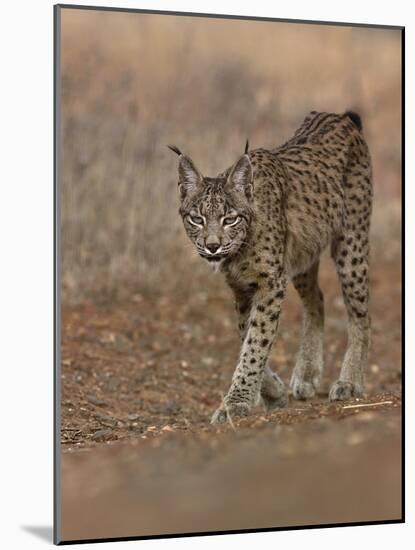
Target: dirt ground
<point>140,380</point>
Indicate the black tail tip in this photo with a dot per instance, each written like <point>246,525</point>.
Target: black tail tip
<point>355,118</point>
<point>175,149</point>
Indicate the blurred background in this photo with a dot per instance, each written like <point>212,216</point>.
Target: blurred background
<point>149,336</point>
<point>132,83</point>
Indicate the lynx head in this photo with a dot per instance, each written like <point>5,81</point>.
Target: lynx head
<point>216,212</point>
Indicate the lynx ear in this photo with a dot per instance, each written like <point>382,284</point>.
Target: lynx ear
<point>189,176</point>
<point>240,177</point>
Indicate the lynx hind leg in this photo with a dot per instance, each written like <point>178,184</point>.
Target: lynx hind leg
<point>352,268</point>
<point>309,365</point>
<point>350,252</point>
<point>273,391</point>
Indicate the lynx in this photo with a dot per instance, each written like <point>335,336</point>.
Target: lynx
<point>265,221</point>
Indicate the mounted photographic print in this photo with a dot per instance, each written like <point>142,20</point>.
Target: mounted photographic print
<point>228,274</point>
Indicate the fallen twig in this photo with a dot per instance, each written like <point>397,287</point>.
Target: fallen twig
<point>367,405</point>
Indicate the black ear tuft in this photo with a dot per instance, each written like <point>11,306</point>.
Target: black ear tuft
<point>355,118</point>
<point>175,149</point>
<point>246,147</point>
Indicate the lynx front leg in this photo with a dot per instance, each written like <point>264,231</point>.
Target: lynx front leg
<point>260,329</point>
<point>273,391</point>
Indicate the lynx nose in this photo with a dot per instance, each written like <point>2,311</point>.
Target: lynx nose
<point>212,244</point>
<point>212,247</point>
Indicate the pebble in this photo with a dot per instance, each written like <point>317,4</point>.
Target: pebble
<point>101,434</point>
<point>167,429</point>
<point>106,420</point>
<point>170,407</point>
<point>113,384</point>
<point>96,400</point>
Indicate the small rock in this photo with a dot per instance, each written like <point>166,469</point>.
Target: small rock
<point>122,343</point>
<point>106,420</point>
<point>133,416</point>
<point>101,434</point>
<point>167,429</point>
<point>107,338</point>
<point>96,400</point>
<point>156,346</point>
<point>113,384</point>
<point>170,407</point>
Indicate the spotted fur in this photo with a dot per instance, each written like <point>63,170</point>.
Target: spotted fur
<point>265,221</point>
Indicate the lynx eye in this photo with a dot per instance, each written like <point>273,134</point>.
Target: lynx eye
<point>195,220</point>
<point>231,220</point>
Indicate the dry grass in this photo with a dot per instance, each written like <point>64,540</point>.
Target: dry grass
<point>131,83</point>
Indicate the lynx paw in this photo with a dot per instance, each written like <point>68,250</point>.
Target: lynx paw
<point>302,390</point>
<point>229,412</point>
<point>341,390</point>
<point>273,392</point>
<point>271,403</point>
